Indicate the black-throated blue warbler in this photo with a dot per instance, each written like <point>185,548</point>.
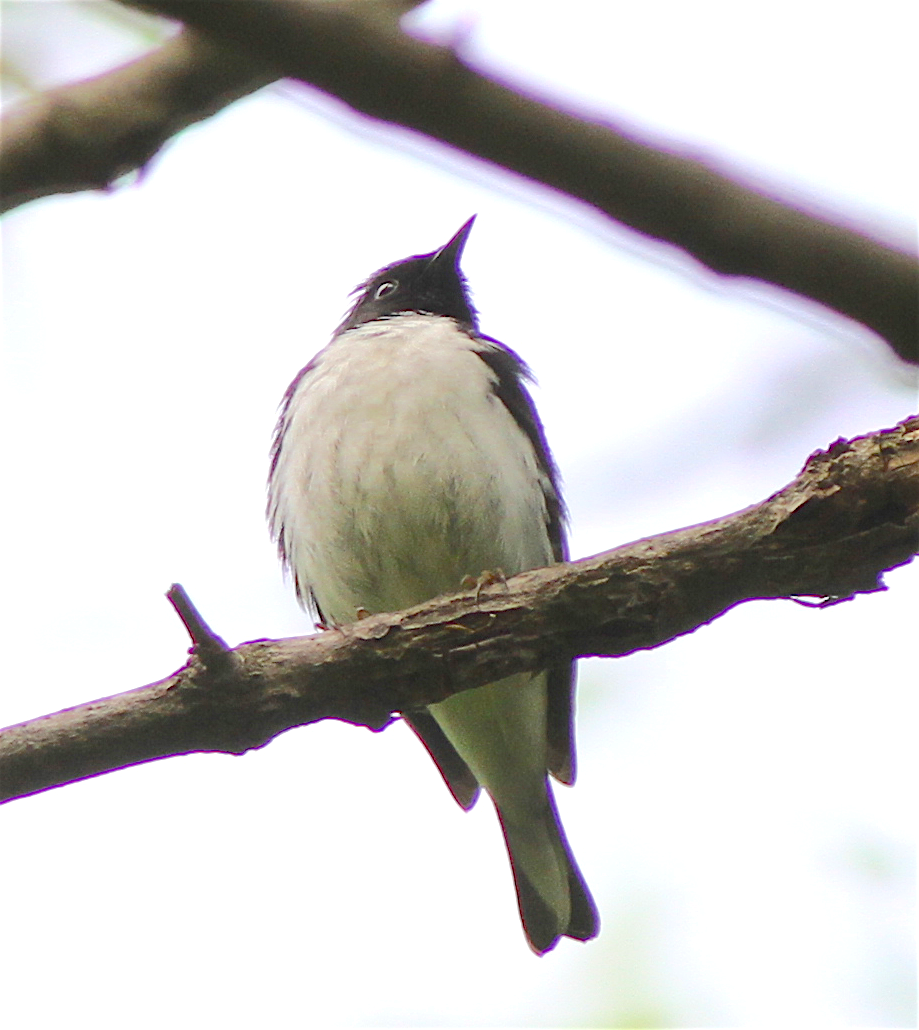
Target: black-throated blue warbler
<point>407,457</point>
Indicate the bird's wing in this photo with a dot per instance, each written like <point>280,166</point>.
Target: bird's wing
<point>457,775</point>
<point>511,374</point>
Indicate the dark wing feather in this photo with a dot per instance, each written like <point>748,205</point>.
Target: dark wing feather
<point>560,722</point>
<point>511,374</point>
<point>457,775</point>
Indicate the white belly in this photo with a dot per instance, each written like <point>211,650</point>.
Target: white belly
<point>402,471</point>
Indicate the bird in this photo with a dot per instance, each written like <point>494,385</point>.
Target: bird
<point>409,457</point>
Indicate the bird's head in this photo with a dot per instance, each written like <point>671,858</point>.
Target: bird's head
<point>432,283</point>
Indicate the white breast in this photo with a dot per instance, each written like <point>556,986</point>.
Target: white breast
<point>400,471</point>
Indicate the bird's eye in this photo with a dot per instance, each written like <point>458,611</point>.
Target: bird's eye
<point>385,288</point>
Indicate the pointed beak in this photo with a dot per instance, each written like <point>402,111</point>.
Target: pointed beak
<point>453,251</point>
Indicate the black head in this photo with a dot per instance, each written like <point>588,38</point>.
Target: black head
<point>432,283</point>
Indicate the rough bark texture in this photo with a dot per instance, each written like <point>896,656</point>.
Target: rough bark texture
<point>852,513</point>
<point>360,56</point>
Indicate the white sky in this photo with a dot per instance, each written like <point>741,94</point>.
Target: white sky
<point>745,811</point>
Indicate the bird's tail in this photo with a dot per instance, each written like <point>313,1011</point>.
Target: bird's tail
<point>553,898</point>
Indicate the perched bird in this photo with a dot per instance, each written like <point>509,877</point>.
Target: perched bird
<point>408,455</point>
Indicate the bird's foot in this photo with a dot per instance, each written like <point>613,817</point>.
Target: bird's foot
<point>359,613</point>
<point>489,578</point>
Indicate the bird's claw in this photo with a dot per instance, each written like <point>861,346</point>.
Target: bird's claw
<point>489,578</point>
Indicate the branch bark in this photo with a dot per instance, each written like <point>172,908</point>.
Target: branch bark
<point>351,51</point>
<point>851,514</point>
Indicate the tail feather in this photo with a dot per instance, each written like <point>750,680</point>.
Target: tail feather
<point>584,922</point>
<point>553,898</point>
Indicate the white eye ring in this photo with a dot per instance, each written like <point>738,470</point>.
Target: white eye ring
<point>385,288</point>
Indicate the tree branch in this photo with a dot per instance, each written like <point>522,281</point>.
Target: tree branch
<point>360,56</point>
<point>85,135</point>
<point>851,514</point>
<point>727,227</point>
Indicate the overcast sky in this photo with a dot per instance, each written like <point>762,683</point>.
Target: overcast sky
<point>745,810</point>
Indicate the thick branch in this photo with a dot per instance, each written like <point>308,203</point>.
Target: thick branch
<point>353,52</point>
<point>734,231</point>
<point>852,513</point>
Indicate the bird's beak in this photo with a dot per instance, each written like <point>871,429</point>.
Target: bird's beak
<point>453,251</point>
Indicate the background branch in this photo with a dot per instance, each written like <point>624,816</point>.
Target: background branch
<point>85,135</point>
<point>851,514</point>
<point>360,56</point>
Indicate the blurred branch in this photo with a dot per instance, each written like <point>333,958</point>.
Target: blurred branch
<point>83,136</point>
<point>355,51</point>
<point>851,514</point>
